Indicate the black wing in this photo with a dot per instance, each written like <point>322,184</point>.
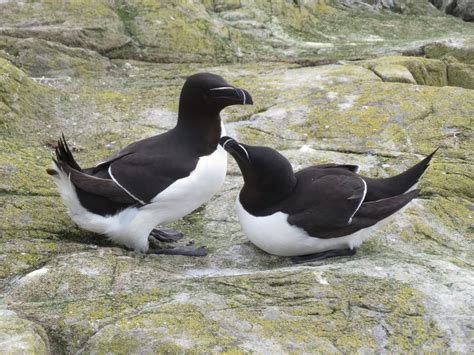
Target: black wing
<point>147,167</point>
<point>352,168</point>
<point>368,214</point>
<point>96,186</point>
<point>146,175</point>
<point>329,201</point>
<point>129,149</point>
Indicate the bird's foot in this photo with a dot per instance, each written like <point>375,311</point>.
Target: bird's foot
<point>183,250</point>
<point>166,235</point>
<point>323,255</point>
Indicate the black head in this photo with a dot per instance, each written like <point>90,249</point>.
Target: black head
<point>208,94</point>
<point>268,175</point>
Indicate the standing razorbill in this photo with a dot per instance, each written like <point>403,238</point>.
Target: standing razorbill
<point>318,212</point>
<point>156,180</point>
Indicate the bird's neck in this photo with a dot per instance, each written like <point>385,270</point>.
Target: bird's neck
<point>201,130</point>
<point>264,201</point>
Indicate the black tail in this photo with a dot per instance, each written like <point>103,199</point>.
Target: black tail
<point>370,213</point>
<point>383,188</point>
<point>381,209</point>
<point>63,157</point>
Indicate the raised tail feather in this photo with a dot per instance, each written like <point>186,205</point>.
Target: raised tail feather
<point>378,189</point>
<point>63,157</point>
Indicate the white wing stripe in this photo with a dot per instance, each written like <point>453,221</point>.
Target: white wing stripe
<point>123,188</point>
<point>222,88</point>
<point>361,200</point>
<point>245,97</point>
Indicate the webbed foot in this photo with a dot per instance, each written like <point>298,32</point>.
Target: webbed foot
<point>323,255</point>
<point>166,235</point>
<point>183,250</point>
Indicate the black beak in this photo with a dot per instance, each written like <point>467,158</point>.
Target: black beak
<point>229,95</point>
<point>235,149</point>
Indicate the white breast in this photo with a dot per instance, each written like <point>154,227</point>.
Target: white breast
<point>186,194</point>
<point>275,235</point>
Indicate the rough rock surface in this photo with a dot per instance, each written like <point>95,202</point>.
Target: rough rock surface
<point>408,289</point>
<point>460,8</point>
<point>21,336</point>
<point>218,31</point>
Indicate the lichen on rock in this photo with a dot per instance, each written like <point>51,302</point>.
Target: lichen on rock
<point>409,287</point>
<point>21,336</point>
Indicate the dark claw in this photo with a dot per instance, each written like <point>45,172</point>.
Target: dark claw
<point>166,235</point>
<point>323,255</point>
<point>184,250</point>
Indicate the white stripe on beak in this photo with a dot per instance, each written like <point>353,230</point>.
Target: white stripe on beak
<point>227,141</point>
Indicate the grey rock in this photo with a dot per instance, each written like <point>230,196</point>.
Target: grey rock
<point>459,8</point>
<point>407,290</point>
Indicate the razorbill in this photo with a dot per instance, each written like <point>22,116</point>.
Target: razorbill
<point>319,212</point>
<point>156,180</point>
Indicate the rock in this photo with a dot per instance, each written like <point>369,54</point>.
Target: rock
<point>424,71</point>
<point>94,26</point>
<point>219,31</point>
<point>21,336</point>
<point>440,4</point>
<point>22,100</point>
<point>461,49</point>
<point>40,57</point>
<point>407,289</point>
<point>460,8</point>
<point>455,67</point>
<point>223,5</point>
<point>395,73</point>
<point>90,72</point>
<point>461,75</point>
<point>463,9</point>
<point>411,7</point>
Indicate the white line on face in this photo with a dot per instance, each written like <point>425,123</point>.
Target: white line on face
<point>222,88</point>
<point>245,150</point>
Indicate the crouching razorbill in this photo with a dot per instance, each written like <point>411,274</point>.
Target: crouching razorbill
<point>156,180</point>
<point>319,212</point>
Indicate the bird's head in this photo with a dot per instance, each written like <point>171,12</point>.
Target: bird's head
<point>208,94</point>
<point>268,175</point>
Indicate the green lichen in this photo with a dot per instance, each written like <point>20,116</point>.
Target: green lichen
<point>462,50</point>
<point>461,75</point>
<point>424,71</point>
<point>188,330</point>
<point>95,297</point>
<point>394,73</point>
<point>20,98</point>
<point>178,31</point>
<point>22,336</point>
<point>344,311</point>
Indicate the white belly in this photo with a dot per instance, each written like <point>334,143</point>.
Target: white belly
<point>275,235</point>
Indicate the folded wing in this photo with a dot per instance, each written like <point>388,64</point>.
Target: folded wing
<point>145,176</point>
<point>329,201</point>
